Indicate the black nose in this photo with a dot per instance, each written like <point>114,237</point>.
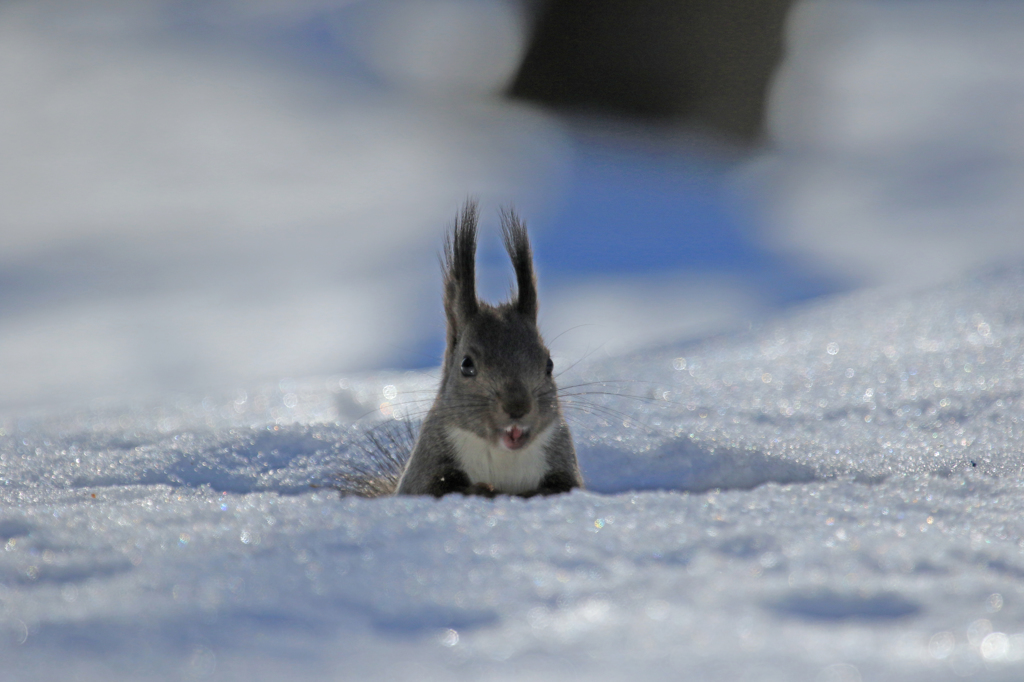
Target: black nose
<point>516,402</point>
<point>517,410</point>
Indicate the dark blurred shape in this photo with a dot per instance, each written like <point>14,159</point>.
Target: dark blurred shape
<point>705,62</point>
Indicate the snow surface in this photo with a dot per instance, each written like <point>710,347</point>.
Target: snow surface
<point>836,495</point>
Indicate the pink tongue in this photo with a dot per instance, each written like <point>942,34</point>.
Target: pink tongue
<point>513,437</point>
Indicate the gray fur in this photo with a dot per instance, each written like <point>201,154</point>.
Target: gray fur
<point>472,416</point>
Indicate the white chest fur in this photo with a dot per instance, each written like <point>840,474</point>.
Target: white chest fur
<point>509,471</point>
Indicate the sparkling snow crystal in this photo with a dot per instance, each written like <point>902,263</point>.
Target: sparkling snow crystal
<point>835,495</point>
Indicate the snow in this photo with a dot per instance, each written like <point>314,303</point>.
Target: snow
<point>895,124</point>
<point>200,196</point>
<point>188,204</point>
<point>835,495</point>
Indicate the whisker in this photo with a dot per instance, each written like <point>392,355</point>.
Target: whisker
<point>616,415</point>
<point>570,329</point>
<point>645,398</point>
<point>585,356</point>
<point>599,409</point>
<point>385,449</point>
<point>614,381</point>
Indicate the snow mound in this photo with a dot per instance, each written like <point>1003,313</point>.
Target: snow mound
<point>864,388</point>
<point>834,495</point>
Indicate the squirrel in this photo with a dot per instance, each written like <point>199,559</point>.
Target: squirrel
<point>495,426</point>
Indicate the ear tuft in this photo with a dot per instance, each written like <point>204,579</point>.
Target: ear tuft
<point>513,233</point>
<point>459,269</point>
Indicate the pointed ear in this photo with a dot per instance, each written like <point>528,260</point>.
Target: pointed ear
<point>513,233</point>
<point>459,268</point>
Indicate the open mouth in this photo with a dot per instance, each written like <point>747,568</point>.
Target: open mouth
<point>514,437</point>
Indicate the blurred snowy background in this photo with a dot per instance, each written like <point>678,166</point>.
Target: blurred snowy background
<point>203,195</point>
<point>218,223</point>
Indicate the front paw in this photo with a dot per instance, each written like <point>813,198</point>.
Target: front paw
<point>481,489</point>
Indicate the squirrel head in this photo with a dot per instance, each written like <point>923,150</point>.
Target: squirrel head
<point>497,379</point>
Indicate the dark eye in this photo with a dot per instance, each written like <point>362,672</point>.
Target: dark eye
<point>468,368</point>
<point>550,367</point>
